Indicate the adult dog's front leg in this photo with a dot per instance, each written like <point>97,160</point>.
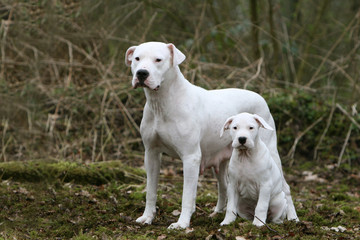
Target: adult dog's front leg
<point>191,166</point>
<point>152,167</point>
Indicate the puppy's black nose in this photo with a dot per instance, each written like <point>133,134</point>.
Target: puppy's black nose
<point>242,140</point>
<point>142,75</point>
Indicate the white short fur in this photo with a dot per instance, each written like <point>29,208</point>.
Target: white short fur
<point>255,189</point>
<point>182,120</point>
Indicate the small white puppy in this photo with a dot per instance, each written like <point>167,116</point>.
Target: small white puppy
<point>255,189</point>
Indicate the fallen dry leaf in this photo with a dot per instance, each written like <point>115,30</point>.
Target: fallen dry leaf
<point>310,176</point>
<point>338,229</point>
<point>240,238</point>
<point>161,237</point>
<point>176,213</point>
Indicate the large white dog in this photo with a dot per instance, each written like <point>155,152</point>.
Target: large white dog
<point>183,121</point>
<point>255,189</point>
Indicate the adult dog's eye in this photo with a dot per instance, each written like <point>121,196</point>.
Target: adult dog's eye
<point>137,58</point>
<point>158,60</point>
<point>251,128</point>
<point>235,128</point>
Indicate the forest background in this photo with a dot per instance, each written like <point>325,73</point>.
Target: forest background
<point>65,92</point>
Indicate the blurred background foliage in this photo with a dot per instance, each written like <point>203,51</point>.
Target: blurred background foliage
<point>65,92</point>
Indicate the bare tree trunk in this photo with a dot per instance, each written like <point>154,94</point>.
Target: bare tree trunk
<point>312,36</point>
<point>255,28</point>
<point>273,34</point>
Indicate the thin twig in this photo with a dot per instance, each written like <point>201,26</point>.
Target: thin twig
<point>344,145</point>
<point>338,41</point>
<point>236,214</point>
<point>266,225</point>
<point>152,19</point>
<point>260,61</point>
<point>348,115</point>
<point>291,153</point>
<point>325,130</point>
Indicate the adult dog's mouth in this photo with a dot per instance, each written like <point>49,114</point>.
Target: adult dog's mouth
<point>143,85</point>
<point>139,84</point>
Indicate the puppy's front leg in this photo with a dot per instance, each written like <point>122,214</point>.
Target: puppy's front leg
<point>231,209</point>
<point>262,206</point>
<point>152,167</point>
<point>191,166</point>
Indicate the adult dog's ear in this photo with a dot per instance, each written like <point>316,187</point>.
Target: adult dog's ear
<point>177,56</point>
<point>226,125</point>
<point>262,123</point>
<point>129,55</point>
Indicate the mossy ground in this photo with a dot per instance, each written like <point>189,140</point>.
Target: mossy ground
<point>57,209</point>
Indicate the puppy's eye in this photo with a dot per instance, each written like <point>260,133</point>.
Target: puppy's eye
<point>137,58</point>
<point>235,128</point>
<point>158,60</point>
<point>251,128</point>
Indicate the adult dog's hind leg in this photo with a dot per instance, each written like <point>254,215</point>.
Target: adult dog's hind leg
<point>222,187</point>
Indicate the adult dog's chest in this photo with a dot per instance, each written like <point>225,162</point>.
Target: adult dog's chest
<point>168,133</point>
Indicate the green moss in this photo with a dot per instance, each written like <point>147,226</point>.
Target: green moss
<point>307,166</point>
<point>96,173</point>
<point>138,196</point>
<point>318,219</point>
<point>340,197</point>
<point>352,212</point>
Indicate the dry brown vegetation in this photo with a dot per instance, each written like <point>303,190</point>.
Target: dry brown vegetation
<point>66,94</point>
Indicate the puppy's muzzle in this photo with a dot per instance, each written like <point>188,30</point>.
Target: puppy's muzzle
<point>242,140</point>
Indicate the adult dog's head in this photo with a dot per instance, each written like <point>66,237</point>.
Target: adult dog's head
<point>244,129</point>
<point>150,61</point>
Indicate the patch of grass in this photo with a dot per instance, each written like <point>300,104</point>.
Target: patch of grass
<point>58,209</point>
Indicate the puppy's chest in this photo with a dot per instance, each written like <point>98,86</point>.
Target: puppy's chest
<point>248,179</point>
<point>248,188</point>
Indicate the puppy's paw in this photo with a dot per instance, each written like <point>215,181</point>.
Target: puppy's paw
<point>225,222</point>
<point>228,219</point>
<point>178,225</point>
<point>293,218</point>
<point>144,219</point>
<point>258,223</point>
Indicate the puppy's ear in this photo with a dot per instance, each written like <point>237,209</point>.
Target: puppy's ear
<point>226,125</point>
<point>128,55</point>
<point>262,123</point>
<point>177,56</point>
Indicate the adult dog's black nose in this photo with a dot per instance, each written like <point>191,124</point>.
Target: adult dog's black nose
<point>242,140</point>
<point>142,75</point>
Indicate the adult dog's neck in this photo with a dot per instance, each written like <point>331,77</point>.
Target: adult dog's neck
<point>171,88</point>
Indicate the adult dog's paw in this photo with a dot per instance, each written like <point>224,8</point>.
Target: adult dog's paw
<point>145,219</point>
<point>179,225</point>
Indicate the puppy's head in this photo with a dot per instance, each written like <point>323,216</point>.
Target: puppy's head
<point>244,129</point>
<point>150,61</point>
